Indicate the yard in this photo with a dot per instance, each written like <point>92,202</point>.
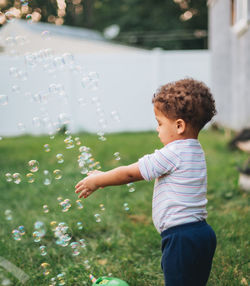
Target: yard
<point>115,223</point>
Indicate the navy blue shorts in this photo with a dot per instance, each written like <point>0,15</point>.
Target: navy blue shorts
<point>187,254</point>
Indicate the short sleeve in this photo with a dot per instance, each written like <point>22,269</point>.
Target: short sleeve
<point>159,163</point>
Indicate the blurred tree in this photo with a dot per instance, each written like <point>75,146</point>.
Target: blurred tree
<point>168,24</point>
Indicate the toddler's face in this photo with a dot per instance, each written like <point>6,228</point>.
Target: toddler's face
<point>167,129</point>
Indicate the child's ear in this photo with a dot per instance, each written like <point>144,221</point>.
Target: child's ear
<point>180,126</point>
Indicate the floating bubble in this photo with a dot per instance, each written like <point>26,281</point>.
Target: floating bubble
<point>60,158</point>
<point>8,177</point>
<point>45,209</point>
<point>46,35</point>
<point>30,178</point>
<point>59,199</point>
<point>15,88</point>
<point>16,235</point>
<point>115,116</point>
<point>36,236</point>
<point>58,62</point>
<point>22,75</point>
<point>29,18</point>
<point>102,207</point>
<point>21,126</point>
<point>21,229</point>
<point>69,142</point>
<point>24,2</point>
<point>43,250</point>
<point>82,243</point>
<point>77,140</point>
<point>57,174</point>
<point>10,17</point>
<point>52,281</point>
<point>82,101</point>
<point>131,187</point>
<point>47,178</point>
<point>33,166</point>
<point>64,118</point>
<point>97,217</point>
<point>40,228</point>
<point>126,207</point>
<point>68,59</point>
<point>62,234</point>
<point>46,268</point>
<point>16,178</point>
<point>75,247</point>
<point>61,279</point>
<point>8,214</point>
<point>117,156</point>
<point>79,204</point>
<point>3,99</point>
<point>36,121</point>
<point>46,147</point>
<point>79,225</point>
<point>66,205</point>
<point>13,71</point>
<point>101,136</point>
<point>86,264</point>
<point>53,225</point>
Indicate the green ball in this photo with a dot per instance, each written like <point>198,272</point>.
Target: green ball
<point>110,281</point>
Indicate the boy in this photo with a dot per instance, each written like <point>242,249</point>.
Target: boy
<point>181,109</point>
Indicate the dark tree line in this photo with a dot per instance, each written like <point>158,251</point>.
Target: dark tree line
<point>168,24</point>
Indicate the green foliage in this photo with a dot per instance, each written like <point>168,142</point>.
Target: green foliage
<point>143,23</point>
<point>123,243</point>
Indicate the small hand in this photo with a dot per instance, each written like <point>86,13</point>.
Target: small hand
<point>87,186</point>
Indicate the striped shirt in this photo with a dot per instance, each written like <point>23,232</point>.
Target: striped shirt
<point>181,183</point>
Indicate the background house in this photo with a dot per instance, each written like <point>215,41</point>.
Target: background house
<point>229,39</point>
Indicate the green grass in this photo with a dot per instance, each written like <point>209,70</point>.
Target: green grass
<point>123,243</point>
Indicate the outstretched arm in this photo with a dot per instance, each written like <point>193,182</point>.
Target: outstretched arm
<point>118,176</point>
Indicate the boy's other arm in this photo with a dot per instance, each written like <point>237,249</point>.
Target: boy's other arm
<point>118,176</point>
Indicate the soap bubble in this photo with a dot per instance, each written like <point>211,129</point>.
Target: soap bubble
<point>3,99</point>
<point>59,199</point>
<point>126,207</point>
<point>66,205</point>
<point>115,116</point>
<point>36,121</point>
<point>82,101</point>
<point>86,264</point>
<point>58,174</point>
<point>52,281</point>
<point>13,71</point>
<point>29,18</point>
<point>45,209</point>
<point>33,166</point>
<point>8,177</point>
<point>117,156</point>
<point>53,225</point>
<point>24,2</point>
<point>16,235</point>
<point>46,35</point>
<point>75,247</point>
<point>43,250</point>
<point>8,214</point>
<point>68,59</point>
<point>60,158</point>
<point>69,142</point>
<point>102,207</point>
<point>16,178</point>
<point>101,136</point>
<point>10,16</point>
<point>60,277</point>
<point>97,217</point>
<point>79,225</point>
<point>79,204</point>
<point>131,187</point>
<point>21,126</point>
<point>46,147</point>
<point>82,243</point>
<point>64,118</point>
<point>47,178</point>
<point>15,88</point>
<point>40,228</point>
<point>46,268</point>
<point>30,178</point>
<point>77,140</point>
<point>62,234</point>
<point>36,236</point>
<point>21,229</point>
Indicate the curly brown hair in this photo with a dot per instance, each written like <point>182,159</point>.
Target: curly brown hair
<point>188,99</point>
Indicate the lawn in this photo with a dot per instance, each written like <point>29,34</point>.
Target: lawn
<point>119,240</point>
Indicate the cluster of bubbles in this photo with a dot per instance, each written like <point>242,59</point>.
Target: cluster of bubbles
<point>58,280</point>
<point>86,162</point>
<point>18,233</point>
<point>65,205</point>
